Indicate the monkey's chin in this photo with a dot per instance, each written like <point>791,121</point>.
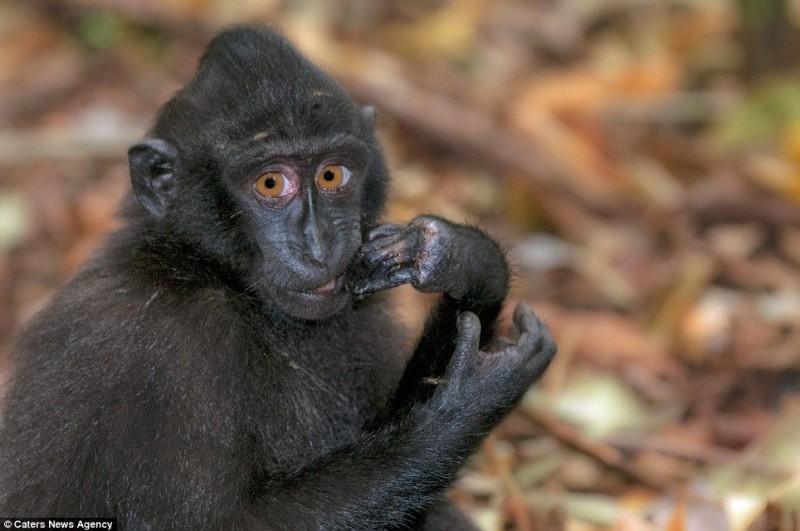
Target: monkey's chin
<point>317,304</point>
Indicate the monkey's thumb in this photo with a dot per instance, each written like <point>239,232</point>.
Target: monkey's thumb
<point>468,337</point>
<point>469,332</point>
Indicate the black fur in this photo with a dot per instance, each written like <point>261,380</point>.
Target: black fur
<point>192,376</point>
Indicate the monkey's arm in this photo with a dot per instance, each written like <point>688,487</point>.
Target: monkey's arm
<point>382,480</point>
<point>434,255</point>
<point>389,477</point>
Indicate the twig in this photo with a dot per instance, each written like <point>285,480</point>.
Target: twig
<point>608,455</point>
<point>712,455</point>
<point>20,147</point>
<point>737,208</point>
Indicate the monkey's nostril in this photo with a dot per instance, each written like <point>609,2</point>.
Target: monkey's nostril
<point>310,260</point>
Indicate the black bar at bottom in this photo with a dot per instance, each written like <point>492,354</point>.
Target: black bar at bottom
<point>78,524</point>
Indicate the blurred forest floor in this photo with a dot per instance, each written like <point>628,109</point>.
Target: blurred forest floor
<point>639,158</point>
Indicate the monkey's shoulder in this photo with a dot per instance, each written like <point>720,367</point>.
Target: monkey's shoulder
<point>149,314</point>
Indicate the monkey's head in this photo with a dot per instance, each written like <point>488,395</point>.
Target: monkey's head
<point>264,165</point>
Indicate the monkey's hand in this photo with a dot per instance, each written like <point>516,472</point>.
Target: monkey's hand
<point>433,255</point>
<point>482,387</point>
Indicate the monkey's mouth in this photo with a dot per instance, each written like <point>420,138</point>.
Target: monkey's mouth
<point>334,286</point>
<point>317,303</point>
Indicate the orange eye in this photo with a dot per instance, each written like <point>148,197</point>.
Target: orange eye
<point>271,184</point>
<point>333,176</point>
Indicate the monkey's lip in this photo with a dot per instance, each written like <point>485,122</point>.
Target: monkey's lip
<point>334,286</point>
<point>314,304</point>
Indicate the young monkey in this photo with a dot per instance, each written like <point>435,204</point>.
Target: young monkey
<point>218,365</point>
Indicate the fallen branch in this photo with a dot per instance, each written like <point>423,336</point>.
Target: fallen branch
<point>708,456</point>
<point>22,147</point>
<point>600,451</point>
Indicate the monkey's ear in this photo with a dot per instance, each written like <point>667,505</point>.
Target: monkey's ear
<point>368,116</point>
<point>153,163</point>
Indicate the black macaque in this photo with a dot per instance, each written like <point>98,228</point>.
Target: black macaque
<point>227,360</point>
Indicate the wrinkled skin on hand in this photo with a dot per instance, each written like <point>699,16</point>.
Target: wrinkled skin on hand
<point>431,254</point>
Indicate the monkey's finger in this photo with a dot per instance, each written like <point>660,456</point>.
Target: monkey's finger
<point>405,275</point>
<point>524,316</point>
<point>372,285</point>
<point>385,281</point>
<point>383,230</point>
<point>468,336</point>
<point>390,256</point>
<point>468,333</point>
<point>499,344</point>
<point>405,237</point>
<point>375,246</point>
<point>524,319</point>
<point>538,346</point>
<point>380,237</point>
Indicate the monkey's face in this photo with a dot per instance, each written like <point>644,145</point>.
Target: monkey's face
<point>286,213</point>
<point>263,164</point>
<point>302,206</point>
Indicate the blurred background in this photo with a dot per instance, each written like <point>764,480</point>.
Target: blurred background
<point>640,159</point>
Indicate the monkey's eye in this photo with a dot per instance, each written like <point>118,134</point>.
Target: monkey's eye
<point>333,176</point>
<point>271,184</point>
